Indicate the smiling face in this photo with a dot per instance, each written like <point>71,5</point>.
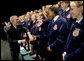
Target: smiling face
<point>33,17</point>
<point>27,16</point>
<point>64,5</point>
<point>51,14</point>
<point>15,21</point>
<point>39,16</point>
<point>75,11</point>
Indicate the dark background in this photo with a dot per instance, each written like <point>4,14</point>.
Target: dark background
<point>20,7</point>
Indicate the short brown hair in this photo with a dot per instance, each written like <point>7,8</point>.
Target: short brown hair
<point>55,9</point>
<point>65,2</point>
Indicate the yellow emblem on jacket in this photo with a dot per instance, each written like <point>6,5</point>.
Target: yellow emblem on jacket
<point>40,29</point>
<point>76,32</point>
<point>55,27</point>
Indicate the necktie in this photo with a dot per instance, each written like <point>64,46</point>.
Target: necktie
<point>64,13</point>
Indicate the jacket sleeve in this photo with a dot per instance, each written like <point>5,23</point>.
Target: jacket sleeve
<point>77,53</point>
<point>74,54</point>
<point>6,28</point>
<point>41,37</point>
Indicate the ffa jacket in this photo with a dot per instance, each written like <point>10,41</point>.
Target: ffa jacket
<point>74,41</point>
<point>57,34</point>
<point>41,32</point>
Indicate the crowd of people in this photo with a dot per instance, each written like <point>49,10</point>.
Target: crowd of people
<point>53,32</point>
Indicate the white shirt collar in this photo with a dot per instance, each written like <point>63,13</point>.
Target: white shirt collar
<point>33,21</point>
<point>78,21</point>
<point>56,17</point>
<point>67,9</point>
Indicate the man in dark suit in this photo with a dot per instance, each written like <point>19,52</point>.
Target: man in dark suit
<point>14,37</point>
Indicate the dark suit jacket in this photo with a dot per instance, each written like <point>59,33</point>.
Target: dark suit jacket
<point>15,34</point>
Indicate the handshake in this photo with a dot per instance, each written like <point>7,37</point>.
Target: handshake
<point>31,37</point>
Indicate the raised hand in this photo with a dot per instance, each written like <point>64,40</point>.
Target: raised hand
<point>7,24</point>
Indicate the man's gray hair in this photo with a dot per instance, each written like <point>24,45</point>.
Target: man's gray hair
<point>12,18</point>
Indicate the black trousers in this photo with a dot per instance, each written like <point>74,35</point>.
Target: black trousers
<point>15,49</point>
